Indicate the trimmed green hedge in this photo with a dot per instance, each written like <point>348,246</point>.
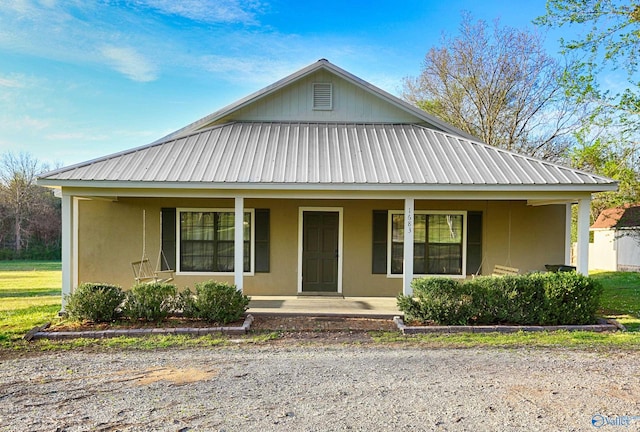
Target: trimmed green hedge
<point>215,302</point>
<point>151,301</point>
<point>533,299</point>
<point>97,302</point>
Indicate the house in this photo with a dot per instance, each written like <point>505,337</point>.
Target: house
<point>616,239</point>
<point>318,183</point>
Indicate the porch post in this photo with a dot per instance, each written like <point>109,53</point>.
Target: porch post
<point>239,243</point>
<point>567,235</point>
<point>407,274</point>
<point>584,211</point>
<point>67,248</point>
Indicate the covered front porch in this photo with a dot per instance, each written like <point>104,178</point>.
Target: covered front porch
<point>368,238</point>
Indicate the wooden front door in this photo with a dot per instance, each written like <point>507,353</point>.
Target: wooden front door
<point>320,251</point>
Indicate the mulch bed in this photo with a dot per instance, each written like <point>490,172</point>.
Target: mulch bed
<point>321,324</point>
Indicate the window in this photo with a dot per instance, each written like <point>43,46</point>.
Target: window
<point>206,240</point>
<point>438,243</point>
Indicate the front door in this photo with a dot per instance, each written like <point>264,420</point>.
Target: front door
<point>320,249</point>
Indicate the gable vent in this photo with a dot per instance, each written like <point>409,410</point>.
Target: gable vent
<point>322,96</point>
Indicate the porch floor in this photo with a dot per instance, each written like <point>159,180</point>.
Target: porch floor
<point>368,307</point>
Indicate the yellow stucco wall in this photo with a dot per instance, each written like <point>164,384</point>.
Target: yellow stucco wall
<point>110,238</point>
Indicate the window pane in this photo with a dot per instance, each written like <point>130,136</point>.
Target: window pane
<point>420,228</point>
<point>247,227</point>
<point>397,228</point>
<point>207,241</point>
<point>196,232</point>
<point>419,258</point>
<point>196,255</point>
<point>397,241</point>
<point>445,259</point>
<point>247,256</point>
<point>247,242</point>
<point>396,257</point>
<point>197,226</point>
<point>225,227</point>
<point>225,257</point>
<point>445,228</point>
<point>445,244</point>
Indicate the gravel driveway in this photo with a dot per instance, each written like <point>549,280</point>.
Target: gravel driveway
<point>319,387</point>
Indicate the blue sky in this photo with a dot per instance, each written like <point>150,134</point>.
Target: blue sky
<point>81,79</point>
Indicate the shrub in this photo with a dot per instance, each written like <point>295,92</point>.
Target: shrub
<point>441,300</point>
<point>572,298</point>
<point>95,302</point>
<point>215,302</point>
<point>541,298</point>
<point>507,299</point>
<point>151,301</point>
<point>187,303</point>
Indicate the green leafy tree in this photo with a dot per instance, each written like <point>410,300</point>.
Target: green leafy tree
<point>609,43</point>
<point>610,159</point>
<point>497,83</point>
<point>608,48</point>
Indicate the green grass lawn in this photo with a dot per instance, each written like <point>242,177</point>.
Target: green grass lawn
<point>621,297</point>
<point>30,296</point>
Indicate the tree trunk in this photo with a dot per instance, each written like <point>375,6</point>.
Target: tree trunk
<point>18,230</point>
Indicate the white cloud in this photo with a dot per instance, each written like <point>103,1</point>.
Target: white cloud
<point>209,11</point>
<point>11,82</point>
<point>130,63</point>
<point>23,123</point>
<point>78,32</point>
<point>254,70</point>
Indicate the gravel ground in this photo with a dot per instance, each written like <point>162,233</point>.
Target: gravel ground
<point>319,387</point>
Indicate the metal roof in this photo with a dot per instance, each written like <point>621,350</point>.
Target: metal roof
<point>334,155</point>
<point>627,216</point>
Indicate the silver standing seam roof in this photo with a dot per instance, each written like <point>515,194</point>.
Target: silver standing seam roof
<point>278,155</point>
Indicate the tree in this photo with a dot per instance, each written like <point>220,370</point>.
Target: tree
<point>610,159</point>
<point>28,212</point>
<point>612,42</point>
<point>609,46</point>
<point>499,85</point>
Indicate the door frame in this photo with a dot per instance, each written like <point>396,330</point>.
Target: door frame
<point>301,211</point>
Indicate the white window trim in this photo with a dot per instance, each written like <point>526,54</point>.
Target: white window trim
<point>428,212</point>
<point>301,211</point>
<point>252,257</point>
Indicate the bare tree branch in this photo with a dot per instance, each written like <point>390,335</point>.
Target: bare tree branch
<point>498,84</point>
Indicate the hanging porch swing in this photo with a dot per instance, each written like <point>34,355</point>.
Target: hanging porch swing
<point>142,270</point>
<point>501,270</point>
